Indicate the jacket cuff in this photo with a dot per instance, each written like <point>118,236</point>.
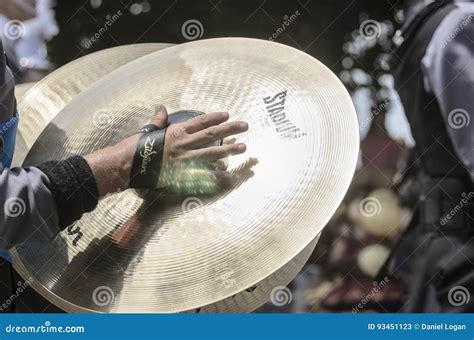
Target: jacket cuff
<point>73,186</point>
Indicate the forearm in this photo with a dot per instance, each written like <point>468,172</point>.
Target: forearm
<point>111,166</point>
<point>55,194</point>
<point>41,201</point>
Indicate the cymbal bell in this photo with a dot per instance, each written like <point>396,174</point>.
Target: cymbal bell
<point>52,93</point>
<point>159,253</point>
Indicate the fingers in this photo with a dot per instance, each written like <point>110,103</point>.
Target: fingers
<point>160,118</point>
<point>224,179</point>
<point>221,164</point>
<point>215,133</point>
<point>204,121</point>
<point>214,152</point>
<point>199,181</point>
<point>230,140</point>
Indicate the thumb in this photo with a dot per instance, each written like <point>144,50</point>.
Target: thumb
<point>160,118</point>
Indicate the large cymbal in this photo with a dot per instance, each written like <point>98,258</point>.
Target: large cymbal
<point>20,145</point>
<point>268,289</point>
<point>67,82</point>
<point>242,302</point>
<point>22,89</point>
<point>49,96</point>
<point>157,253</point>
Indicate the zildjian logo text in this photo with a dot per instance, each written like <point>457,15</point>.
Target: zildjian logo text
<point>146,154</point>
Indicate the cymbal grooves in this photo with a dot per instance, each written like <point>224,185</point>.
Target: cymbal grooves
<point>292,178</point>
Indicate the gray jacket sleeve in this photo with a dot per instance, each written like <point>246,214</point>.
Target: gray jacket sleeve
<point>29,210</point>
<point>448,68</point>
<point>36,203</point>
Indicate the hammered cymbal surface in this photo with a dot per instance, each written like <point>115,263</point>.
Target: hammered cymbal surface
<point>40,102</point>
<point>302,147</point>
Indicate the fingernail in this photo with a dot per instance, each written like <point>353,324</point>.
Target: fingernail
<point>244,126</point>
<point>225,115</point>
<point>242,147</point>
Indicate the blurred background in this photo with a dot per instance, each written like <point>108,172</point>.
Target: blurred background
<point>353,38</point>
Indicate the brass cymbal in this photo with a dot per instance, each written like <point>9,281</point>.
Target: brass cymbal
<point>269,289</point>
<point>72,79</point>
<point>20,145</point>
<point>242,302</point>
<point>158,253</point>
<point>22,89</point>
<point>49,96</point>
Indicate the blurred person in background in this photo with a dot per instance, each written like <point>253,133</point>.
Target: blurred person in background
<point>26,27</point>
<point>434,75</point>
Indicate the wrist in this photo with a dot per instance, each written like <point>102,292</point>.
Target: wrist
<point>111,166</point>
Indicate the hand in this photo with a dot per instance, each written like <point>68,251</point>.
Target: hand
<point>189,161</point>
<point>184,161</point>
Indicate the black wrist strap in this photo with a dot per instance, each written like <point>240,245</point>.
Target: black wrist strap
<point>146,165</point>
<point>148,128</point>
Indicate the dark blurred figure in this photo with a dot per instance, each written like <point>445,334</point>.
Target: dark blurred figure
<point>434,75</point>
